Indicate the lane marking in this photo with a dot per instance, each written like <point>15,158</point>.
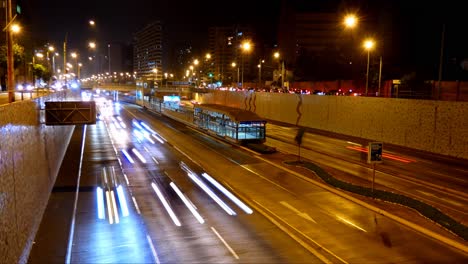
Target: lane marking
<point>225,243</point>
<point>301,214</point>
<point>268,180</point>
<point>75,204</point>
<point>136,205</point>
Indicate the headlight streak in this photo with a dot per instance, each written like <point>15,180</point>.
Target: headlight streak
<point>166,205</point>
<point>211,194</point>
<point>138,134</point>
<point>135,123</point>
<point>114,207</point>
<point>228,194</point>
<point>147,136</point>
<point>158,138</point>
<point>119,118</point>
<point>147,127</point>
<point>137,153</point>
<point>187,203</point>
<point>100,203</point>
<point>128,156</point>
<point>122,201</point>
<point>122,124</point>
<point>155,160</point>
<point>109,208</point>
<point>350,223</point>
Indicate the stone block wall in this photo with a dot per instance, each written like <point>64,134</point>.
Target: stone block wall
<point>30,157</point>
<point>439,127</point>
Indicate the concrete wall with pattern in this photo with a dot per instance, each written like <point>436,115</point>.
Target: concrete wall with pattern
<point>435,126</point>
<point>30,157</point>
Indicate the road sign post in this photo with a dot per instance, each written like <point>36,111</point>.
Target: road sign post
<point>374,156</point>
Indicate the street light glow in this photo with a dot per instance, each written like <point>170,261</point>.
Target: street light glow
<point>15,28</point>
<point>92,44</point>
<point>246,46</point>
<point>369,44</point>
<point>91,22</point>
<point>276,55</point>
<point>233,64</point>
<point>350,20</point>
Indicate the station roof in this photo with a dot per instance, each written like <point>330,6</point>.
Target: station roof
<point>236,114</point>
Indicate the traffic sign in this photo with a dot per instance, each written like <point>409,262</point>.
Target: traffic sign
<point>374,155</point>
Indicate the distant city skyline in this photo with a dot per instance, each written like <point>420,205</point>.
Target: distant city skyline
<point>415,26</point>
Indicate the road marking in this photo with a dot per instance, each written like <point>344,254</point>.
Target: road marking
<point>268,180</point>
<point>301,214</point>
<point>136,205</point>
<point>155,254</point>
<point>225,243</point>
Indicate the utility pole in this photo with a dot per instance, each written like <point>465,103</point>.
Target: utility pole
<point>441,62</point>
<point>380,74</point>
<point>10,61</point>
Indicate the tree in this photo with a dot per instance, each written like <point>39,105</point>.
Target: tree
<point>18,59</point>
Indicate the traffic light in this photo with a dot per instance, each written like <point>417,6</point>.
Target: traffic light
<point>18,7</point>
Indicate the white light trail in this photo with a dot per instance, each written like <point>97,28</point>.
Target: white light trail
<point>114,207</point>
<point>122,201</point>
<point>122,124</point>
<point>135,123</point>
<point>228,194</point>
<point>109,208</point>
<point>158,138</point>
<point>187,203</point>
<point>100,203</point>
<point>148,128</point>
<point>166,205</point>
<point>211,194</point>
<point>119,118</point>
<point>138,154</point>
<point>128,156</point>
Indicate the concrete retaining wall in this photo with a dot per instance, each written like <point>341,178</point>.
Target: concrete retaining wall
<point>30,158</point>
<point>435,126</point>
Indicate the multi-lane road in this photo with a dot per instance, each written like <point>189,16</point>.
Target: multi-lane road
<point>151,189</point>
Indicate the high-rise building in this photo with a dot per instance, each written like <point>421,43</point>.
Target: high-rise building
<point>225,48</point>
<point>148,52</point>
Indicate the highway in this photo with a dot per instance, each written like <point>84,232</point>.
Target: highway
<point>165,201</point>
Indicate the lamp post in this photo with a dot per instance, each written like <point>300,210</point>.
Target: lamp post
<point>260,61</point>
<point>277,56</point>
<point>10,61</point>
<point>246,47</point>
<point>368,45</point>
<point>234,65</point>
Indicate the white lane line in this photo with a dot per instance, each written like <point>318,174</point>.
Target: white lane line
<point>301,214</point>
<point>268,180</point>
<point>225,243</point>
<point>136,205</point>
<point>155,254</point>
<point>75,203</point>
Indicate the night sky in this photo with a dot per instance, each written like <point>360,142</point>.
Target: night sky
<point>416,25</point>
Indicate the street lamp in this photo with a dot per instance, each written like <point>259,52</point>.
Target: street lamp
<point>260,61</point>
<point>350,21</point>
<point>277,56</point>
<point>75,56</point>
<point>234,65</point>
<point>246,47</point>
<point>368,45</point>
